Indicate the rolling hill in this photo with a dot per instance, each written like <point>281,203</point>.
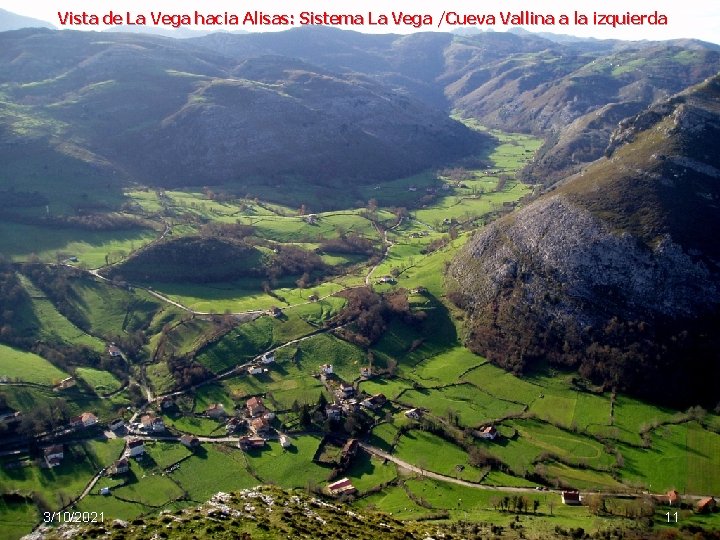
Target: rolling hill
<point>136,108</point>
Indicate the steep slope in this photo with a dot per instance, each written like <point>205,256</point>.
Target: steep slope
<point>616,272</point>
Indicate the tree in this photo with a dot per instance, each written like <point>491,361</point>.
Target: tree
<point>304,418</point>
<point>536,505</point>
<point>322,401</point>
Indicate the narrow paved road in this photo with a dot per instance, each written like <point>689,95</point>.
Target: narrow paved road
<point>429,474</point>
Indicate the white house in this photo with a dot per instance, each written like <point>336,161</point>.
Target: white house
<point>268,358</point>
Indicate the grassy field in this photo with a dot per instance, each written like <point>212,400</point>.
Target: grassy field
<point>100,381</point>
<point>20,242</point>
<point>291,467</point>
<point>432,453</point>
<point>473,406</point>
<point>109,310</point>
<point>27,367</point>
<point>17,518</point>
<point>58,485</point>
<point>369,472</point>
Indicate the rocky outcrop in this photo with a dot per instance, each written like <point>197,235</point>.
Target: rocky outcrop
<point>616,272</point>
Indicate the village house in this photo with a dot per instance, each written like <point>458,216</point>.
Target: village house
<point>255,406</point>
<point>570,497</point>
<point>158,424</point>
<point>150,422</point>
<point>216,410</point>
<point>708,504</point>
<point>254,370</point>
<point>374,403</point>
<point>268,358</point>
<point>487,432</point>
<point>673,497</point>
<point>311,219</point>
<point>349,406</point>
<point>259,426</point>
<point>116,424</point>
<point>269,416</point>
<point>53,455</point>
<point>114,351</point>
<point>250,443</point>
<point>333,412</point>
<point>341,487</point>
<point>121,466</point>
<point>345,390</point>
<point>234,424</point>
<point>135,447</point>
<point>414,414</point>
<point>88,419</point>
<point>386,279</point>
<point>189,441</point>
<point>365,372</point>
<point>275,312</point>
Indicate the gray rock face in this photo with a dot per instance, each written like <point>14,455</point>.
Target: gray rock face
<point>567,263</point>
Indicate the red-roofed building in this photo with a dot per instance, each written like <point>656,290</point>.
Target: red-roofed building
<point>708,504</point>
<point>255,406</point>
<point>341,487</point>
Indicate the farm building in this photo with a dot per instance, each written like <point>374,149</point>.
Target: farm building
<point>53,455</point>
<point>708,504</point>
<point>374,403</point>
<point>189,441</point>
<point>487,432</point>
<point>67,382</point>
<point>341,487</point>
<point>249,443</point>
<point>414,414</point>
<point>570,497</point>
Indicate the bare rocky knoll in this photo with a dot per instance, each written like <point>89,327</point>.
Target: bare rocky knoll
<point>615,272</point>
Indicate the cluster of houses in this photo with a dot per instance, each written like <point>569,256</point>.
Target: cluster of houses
<point>259,421</point>
<point>346,399</point>
<point>265,360</point>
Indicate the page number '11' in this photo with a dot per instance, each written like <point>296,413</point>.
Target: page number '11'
<point>671,516</point>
